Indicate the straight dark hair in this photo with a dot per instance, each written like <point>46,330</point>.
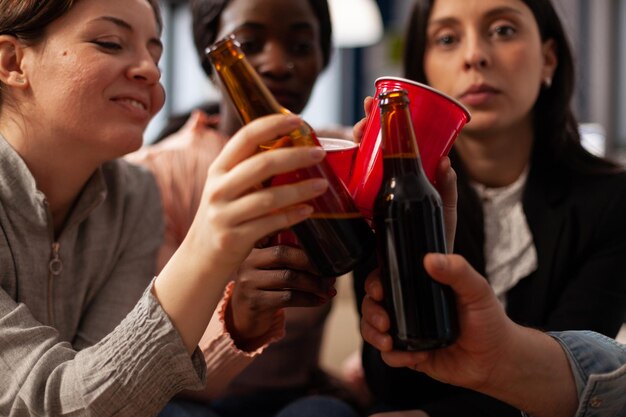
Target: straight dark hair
<point>557,139</point>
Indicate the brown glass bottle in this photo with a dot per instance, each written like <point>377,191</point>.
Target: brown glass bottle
<point>408,220</point>
<point>336,237</point>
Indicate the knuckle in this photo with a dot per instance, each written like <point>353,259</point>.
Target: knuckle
<point>266,201</point>
<point>287,275</point>
<point>213,217</point>
<point>286,297</point>
<point>254,305</point>
<point>280,252</point>
<point>452,175</point>
<point>265,163</point>
<point>225,240</point>
<point>215,191</point>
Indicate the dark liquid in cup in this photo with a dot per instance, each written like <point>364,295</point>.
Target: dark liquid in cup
<point>334,242</point>
<point>344,241</point>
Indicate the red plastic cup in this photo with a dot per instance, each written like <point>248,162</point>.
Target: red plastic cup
<point>437,120</point>
<point>340,154</point>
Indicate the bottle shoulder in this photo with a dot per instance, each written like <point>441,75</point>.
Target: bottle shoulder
<point>409,183</point>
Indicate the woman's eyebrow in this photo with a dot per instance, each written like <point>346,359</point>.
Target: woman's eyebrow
<point>258,25</point>
<point>503,10</point>
<point>117,21</point>
<point>127,26</point>
<point>447,20</point>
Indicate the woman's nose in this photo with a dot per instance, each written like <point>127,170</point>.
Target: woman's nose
<point>275,61</point>
<point>476,54</point>
<point>145,69</point>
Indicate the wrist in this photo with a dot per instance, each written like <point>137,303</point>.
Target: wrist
<point>534,375</point>
<point>262,330</point>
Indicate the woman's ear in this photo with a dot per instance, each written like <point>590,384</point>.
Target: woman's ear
<point>11,55</point>
<point>550,61</point>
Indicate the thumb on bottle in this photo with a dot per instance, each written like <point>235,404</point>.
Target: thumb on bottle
<point>455,271</point>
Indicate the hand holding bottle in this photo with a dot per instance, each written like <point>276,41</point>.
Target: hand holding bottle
<point>336,237</point>
<point>523,367</point>
<point>234,213</point>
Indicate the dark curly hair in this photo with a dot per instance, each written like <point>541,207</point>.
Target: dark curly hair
<point>206,15</point>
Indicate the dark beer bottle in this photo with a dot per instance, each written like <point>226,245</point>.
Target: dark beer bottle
<point>408,221</point>
<point>336,237</point>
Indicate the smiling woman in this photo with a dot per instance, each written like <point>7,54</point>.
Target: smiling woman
<point>85,328</point>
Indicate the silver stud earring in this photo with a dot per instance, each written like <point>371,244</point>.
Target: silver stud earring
<point>20,80</point>
<point>547,82</point>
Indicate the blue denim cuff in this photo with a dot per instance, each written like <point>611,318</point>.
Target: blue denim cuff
<point>590,353</point>
<point>598,364</point>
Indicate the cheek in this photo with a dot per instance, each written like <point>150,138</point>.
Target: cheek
<point>158,98</point>
<point>308,70</point>
<point>524,66</point>
<point>308,76</point>
<point>524,63</point>
<point>440,72</point>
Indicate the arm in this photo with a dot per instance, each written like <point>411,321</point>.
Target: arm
<point>133,371</point>
<point>95,291</point>
<point>42,375</point>
<point>251,315</point>
<point>231,219</point>
<point>268,281</point>
<point>599,367</point>
<point>517,365</point>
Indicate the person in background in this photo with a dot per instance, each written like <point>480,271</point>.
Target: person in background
<point>538,216</point>
<point>274,344</point>
<point>85,328</point>
<point>558,374</point>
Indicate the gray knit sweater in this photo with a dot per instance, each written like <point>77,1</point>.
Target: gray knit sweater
<point>80,333</point>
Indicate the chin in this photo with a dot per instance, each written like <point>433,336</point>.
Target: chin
<point>125,144</point>
<point>482,123</point>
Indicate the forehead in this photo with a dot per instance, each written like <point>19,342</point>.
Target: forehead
<point>267,13</point>
<point>138,13</point>
<point>466,9</point>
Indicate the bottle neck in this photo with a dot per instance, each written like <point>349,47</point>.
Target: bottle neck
<point>400,152</point>
<point>250,96</point>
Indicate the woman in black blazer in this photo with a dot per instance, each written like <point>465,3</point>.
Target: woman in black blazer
<point>559,228</point>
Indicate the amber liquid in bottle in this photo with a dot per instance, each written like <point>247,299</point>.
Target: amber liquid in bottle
<point>408,220</point>
<point>336,237</point>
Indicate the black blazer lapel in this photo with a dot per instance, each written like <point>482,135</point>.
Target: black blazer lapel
<point>545,207</point>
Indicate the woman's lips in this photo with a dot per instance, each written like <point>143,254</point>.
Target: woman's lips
<point>477,95</point>
<point>286,98</point>
<point>136,106</point>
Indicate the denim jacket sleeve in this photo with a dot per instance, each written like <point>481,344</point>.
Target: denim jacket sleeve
<point>598,364</point>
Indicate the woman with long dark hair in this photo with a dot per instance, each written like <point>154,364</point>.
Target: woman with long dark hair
<point>538,215</point>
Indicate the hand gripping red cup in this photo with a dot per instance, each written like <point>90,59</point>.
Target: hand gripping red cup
<point>437,120</point>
